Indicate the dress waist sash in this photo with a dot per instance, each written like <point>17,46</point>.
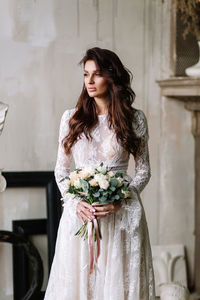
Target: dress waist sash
<point>118,168</point>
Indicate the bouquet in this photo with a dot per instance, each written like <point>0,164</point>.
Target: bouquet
<point>96,184</point>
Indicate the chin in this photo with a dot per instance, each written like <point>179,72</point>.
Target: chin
<point>93,94</point>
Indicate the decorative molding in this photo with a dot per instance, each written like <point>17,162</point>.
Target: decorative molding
<point>185,88</point>
<point>169,265</point>
<point>3,112</point>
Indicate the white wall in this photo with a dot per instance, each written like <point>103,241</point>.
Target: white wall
<point>41,44</point>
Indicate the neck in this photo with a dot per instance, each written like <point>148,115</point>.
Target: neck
<point>101,105</point>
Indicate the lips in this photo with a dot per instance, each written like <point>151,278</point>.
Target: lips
<point>91,89</point>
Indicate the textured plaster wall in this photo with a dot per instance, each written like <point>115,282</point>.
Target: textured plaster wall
<point>41,44</point>
<point>176,222</point>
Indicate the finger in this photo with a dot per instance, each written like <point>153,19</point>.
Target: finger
<point>97,204</point>
<point>101,205</point>
<point>86,210</point>
<point>86,204</point>
<point>79,216</point>
<point>107,207</point>
<point>88,214</point>
<point>84,216</point>
<point>105,213</point>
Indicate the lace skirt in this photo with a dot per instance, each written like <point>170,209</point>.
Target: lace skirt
<point>125,270</point>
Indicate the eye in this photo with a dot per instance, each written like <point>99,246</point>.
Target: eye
<point>85,74</point>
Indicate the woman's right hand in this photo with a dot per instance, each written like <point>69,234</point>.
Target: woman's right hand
<point>85,211</point>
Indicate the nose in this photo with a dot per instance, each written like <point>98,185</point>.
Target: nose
<point>91,79</point>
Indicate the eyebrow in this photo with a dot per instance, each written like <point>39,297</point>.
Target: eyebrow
<point>92,71</point>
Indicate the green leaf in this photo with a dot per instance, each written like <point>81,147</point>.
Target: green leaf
<point>113,182</point>
<point>112,188</point>
<point>84,184</point>
<point>97,194</point>
<point>102,199</point>
<point>105,193</point>
<point>71,189</point>
<point>121,195</point>
<point>81,229</point>
<point>119,174</point>
<point>67,177</point>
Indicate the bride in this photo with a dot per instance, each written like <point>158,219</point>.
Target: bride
<point>103,127</point>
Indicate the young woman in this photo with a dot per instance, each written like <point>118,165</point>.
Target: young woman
<point>103,127</point>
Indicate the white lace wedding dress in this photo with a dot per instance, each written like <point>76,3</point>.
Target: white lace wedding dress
<point>125,262</point>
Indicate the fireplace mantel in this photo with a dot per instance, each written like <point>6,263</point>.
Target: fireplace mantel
<point>184,88</point>
<point>188,90</point>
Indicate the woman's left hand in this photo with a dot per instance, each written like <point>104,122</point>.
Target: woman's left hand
<point>103,210</point>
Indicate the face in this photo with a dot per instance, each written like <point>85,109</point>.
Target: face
<point>95,83</point>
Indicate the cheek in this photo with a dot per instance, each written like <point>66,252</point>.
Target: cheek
<point>85,81</point>
<point>103,85</point>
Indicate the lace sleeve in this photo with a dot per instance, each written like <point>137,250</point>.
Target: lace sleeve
<point>62,169</point>
<point>63,162</point>
<point>142,165</point>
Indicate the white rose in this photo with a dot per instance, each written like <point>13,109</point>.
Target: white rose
<point>84,175</point>
<point>77,183</point>
<point>111,173</point>
<point>102,169</point>
<point>93,182</point>
<point>72,174</point>
<point>100,177</point>
<point>104,184</point>
<point>89,169</point>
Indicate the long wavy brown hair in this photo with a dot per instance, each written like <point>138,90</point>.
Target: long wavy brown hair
<point>121,114</point>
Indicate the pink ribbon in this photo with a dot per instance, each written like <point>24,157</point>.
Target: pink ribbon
<point>93,264</point>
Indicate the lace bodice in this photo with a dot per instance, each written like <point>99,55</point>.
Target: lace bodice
<point>104,148</point>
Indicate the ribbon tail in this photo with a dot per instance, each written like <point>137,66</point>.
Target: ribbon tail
<point>98,238</point>
<point>91,246</point>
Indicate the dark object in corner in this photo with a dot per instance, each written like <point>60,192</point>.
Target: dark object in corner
<point>47,226</point>
<point>19,241</point>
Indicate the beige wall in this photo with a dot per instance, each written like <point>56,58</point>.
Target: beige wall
<point>41,44</point>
